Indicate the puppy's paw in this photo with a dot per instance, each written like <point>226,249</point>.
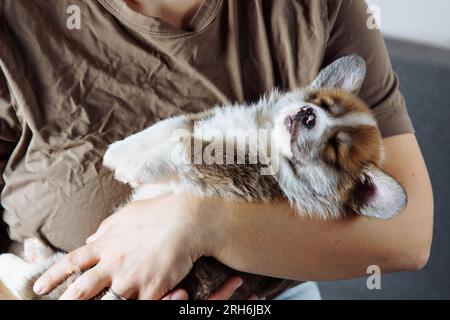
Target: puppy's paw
<point>122,155</point>
<point>115,155</point>
<point>5,262</point>
<point>133,180</point>
<point>13,273</point>
<point>134,172</point>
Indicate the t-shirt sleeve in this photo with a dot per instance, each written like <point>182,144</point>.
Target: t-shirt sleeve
<point>9,128</point>
<point>350,34</point>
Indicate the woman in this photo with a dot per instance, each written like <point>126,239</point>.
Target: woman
<point>66,93</point>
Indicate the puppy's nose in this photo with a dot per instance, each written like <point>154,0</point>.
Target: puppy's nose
<point>307,116</point>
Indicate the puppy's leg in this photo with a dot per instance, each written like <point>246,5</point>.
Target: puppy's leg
<point>158,165</point>
<point>121,153</point>
<point>14,272</point>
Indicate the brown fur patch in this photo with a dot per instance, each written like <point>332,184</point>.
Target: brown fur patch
<point>348,149</point>
<point>362,144</point>
<point>336,102</point>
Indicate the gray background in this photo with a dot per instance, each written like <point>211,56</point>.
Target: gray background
<point>424,74</point>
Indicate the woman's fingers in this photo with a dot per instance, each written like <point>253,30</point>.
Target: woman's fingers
<point>152,292</point>
<point>121,290</point>
<point>227,290</point>
<point>178,294</point>
<point>75,261</point>
<point>102,228</point>
<point>88,285</point>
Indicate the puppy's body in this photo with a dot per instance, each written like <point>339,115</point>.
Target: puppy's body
<point>319,147</point>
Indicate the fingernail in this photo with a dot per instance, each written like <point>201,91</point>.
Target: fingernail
<point>238,283</point>
<point>179,295</point>
<point>38,287</point>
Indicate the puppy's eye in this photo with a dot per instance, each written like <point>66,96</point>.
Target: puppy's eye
<point>331,150</point>
<point>330,106</point>
<point>325,105</point>
<point>333,142</point>
<point>339,146</point>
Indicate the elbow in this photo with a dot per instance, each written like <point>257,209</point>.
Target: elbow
<point>421,261</point>
<point>416,252</point>
<point>413,249</point>
<point>412,257</point>
<point>418,259</point>
<point>421,236</point>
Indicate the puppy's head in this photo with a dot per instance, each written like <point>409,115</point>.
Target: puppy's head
<point>332,142</point>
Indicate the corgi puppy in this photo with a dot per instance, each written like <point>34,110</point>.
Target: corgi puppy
<point>319,147</point>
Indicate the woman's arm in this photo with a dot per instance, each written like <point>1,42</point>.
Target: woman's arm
<point>272,240</point>
<point>149,246</point>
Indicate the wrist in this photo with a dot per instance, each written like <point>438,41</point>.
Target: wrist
<point>209,215</point>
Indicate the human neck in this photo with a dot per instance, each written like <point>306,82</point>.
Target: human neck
<point>175,12</point>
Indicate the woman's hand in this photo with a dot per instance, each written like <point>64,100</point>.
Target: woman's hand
<point>143,251</point>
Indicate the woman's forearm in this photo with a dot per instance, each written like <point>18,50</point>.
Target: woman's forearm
<point>271,239</point>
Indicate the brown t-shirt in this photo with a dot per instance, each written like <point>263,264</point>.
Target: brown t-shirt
<point>66,94</point>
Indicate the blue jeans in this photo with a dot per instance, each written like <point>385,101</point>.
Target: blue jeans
<point>304,291</point>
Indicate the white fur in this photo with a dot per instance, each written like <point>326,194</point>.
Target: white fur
<point>14,271</point>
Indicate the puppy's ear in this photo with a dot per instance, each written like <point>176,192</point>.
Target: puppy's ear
<point>377,195</point>
<point>347,73</point>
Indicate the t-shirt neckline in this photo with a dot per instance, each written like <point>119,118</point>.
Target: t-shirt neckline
<point>157,27</point>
